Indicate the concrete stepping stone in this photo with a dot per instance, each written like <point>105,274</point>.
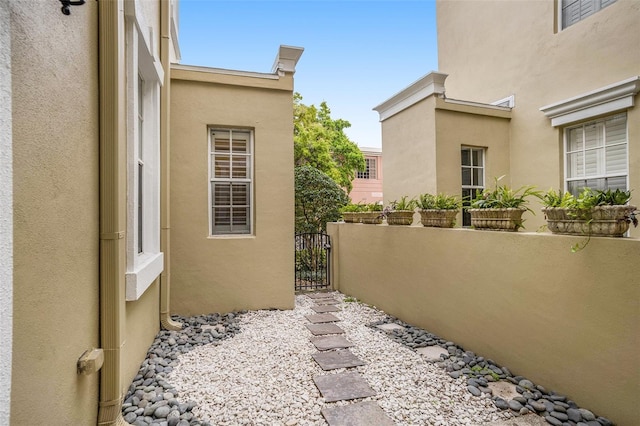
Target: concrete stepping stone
<point>319,318</point>
<point>319,295</point>
<point>322,329</point>
<point>432,353</point>
<point>330,342</point>
<point>325,308</point>
<point>343,386</point>
<point>390,327</point>
<point>504,390</point>
<point>326,301</point>
<point>366,413</point>
<point>342,358</point>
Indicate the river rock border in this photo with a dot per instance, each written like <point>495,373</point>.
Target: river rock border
<point>556,409</point>
<point>151,400</point>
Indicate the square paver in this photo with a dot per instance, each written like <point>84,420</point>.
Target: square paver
<point>319,295</point>
<point>325,308</point>
<point>326,343</point>
<point>342,358</point>
<point>343,386</point>
<point>432,353</point>
<point>319,318</point>
<point>322,329</point>
<point>390,327</point>
<point>364,413</point>
<point>326,301</point>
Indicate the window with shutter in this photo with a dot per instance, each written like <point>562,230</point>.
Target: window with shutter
<point>596,154</point>
<point>472,160</point>
<point>573,11</point>
<point>230,177</point>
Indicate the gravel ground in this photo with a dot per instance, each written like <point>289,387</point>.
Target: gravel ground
<point>264,374</point>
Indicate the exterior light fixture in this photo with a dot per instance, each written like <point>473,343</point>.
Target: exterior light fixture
<point>67,3</point>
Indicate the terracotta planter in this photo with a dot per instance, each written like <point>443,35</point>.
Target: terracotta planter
<point>603,221</point>
<point>438,218</point>
<point>351,217</point>
<point>400,217</point>
<point>371,218</point>
<point>497,219</point>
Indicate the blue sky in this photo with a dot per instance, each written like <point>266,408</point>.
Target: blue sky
<point>357,53</point>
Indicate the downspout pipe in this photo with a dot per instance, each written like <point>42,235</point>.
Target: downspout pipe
<point>112,206</point>
<point>165,229</point>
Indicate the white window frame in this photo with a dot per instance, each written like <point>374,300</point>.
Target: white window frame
<point>145,261</point>
<point>472,187</point>
<point>601,157</point>
<point>596,5</point>
<point>212,179</point>
<point>367,173</point>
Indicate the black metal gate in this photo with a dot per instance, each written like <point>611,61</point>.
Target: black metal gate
<point>313,261</point>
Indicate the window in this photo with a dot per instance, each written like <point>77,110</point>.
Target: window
<point>231,183</point>
<point>144,75</point>
<point>576,10</point>
<point>596,154</point>
<point>472,178</point>
<point>370,171</point>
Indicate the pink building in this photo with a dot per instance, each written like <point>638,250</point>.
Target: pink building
<point>367,186</point>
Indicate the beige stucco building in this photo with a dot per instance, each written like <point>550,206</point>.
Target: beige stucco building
<point>546,102</point>
<point>86,198</point>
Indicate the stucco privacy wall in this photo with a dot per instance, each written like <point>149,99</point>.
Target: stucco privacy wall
<point>515,48</point>
<point>221,274</point>
<point>55,165</point>
<point>6,216</point>
<point>566,321</point>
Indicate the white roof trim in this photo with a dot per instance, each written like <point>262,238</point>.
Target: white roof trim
<point>287,59</point>
<point>477,104</point>
<point>223,71</point>
<point>430,84</point>
<point>607,99</point>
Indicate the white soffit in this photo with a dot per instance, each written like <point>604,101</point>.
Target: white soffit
<point>611,98</point>
<point>430,84</point>
<point>287,59</point>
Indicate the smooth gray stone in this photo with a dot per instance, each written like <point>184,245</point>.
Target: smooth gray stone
<point>330,342</point>
<point>332,360</point>
<point>321,318</point>
<point>515,405</point>
<point>574,415</point>
<point>474,390</point>
<point>343,386</point>
<point>325,308</point>
<point>359,414</point>
<point>553,421</point>
<point>322,329</point>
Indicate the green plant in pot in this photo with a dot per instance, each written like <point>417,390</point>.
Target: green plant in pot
<point>400,212</point>
<point>438,210</point>
<point>351,213</point>
<point>501,207</point>
<point>372,214</point>
<point>598,213</point>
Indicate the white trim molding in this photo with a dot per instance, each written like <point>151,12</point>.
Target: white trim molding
<point>608,99</point>
<point>148,268</point>
<point>430,84</point>
<point>287,59</point>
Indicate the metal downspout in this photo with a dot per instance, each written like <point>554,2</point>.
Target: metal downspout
<point>165,278</point>
<point>112,206</point>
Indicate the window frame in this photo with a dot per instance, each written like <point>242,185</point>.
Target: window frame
<point>250,181</point>
<point>600,149</point>
<point>466,217</point>
<point>144,76</point>
<point>597,7</point>
<point>366,174</point>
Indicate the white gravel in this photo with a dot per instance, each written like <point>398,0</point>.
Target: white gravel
<point>264,375</point>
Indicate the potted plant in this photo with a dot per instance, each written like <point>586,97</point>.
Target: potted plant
<point>400,212</point>
<point>592,213</point>
<point>351,213</point>
<point>501,208</point>
<point>372,214</point>
<point>439,210</point>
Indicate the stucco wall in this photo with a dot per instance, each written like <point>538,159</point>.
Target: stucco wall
<point>6,216</point>
<point>513,48</point>
<point>55,161</point>
<point>221,274</point>
<point>408,143</point>
<point>567,321</point>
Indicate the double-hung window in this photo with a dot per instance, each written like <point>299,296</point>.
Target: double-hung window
<point>231,181</point>
<point>573,11</point>
<point>472,160</point>
<point>371,169</point>
<point>596,154</point>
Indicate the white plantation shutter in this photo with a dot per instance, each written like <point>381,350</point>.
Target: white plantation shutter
<point>576,10</point>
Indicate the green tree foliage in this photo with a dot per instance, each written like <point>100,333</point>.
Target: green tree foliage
<point>318,199</point>
<point>320,141</point>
